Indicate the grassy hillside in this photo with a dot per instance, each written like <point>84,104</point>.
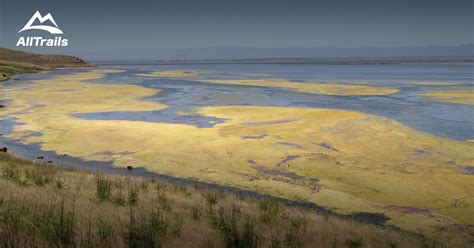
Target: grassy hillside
<point>45,206</point>
<point>16,62</point>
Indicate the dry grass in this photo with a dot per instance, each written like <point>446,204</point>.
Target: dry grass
<point>46,206</point>
<point>40,60</point>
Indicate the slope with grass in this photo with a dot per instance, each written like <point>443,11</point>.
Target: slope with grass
<point>17,62</point>
<point>46,206</point>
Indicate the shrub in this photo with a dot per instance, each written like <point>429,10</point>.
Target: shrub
<point>59,184</point>
<point>105,233</point>
<point>195,212</point>
<point>295,233</point>
<point>103,188</point>
<point>269,209</point>
<point>14,225</point>
<point>11,172</point>
<point>118,198</point>
<point>40,176</point>
<point>233,237</point>
<point>211,199</point>
<point>147,231</point>
<point>133,193</point>
<point>58,225</point>
<point>144,185</point>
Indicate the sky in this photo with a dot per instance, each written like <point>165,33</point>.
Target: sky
<point>103,25</point>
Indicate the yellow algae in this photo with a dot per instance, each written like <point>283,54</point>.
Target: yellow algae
<point>424,83</point>
<point>66,95</point>
<point>332,88</point>
<point>309,87</point>
<point>459,96</point>
<point>363,162</point>
<point>434,83</point>
<point>172,74</point>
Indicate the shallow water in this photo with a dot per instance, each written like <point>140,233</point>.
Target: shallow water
<point>184,95</point>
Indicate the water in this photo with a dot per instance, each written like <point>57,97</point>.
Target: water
<point>186,95</point>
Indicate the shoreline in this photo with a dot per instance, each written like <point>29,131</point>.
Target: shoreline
<point>298,61</point>
<point>102,167</point>
<point>75,191</point>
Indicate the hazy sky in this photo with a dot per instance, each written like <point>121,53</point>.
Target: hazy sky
<point>106,25</point>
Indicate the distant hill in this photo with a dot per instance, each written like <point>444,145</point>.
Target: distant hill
<point>14,62</point>
<point>236,53</point>
<point>53,61</point>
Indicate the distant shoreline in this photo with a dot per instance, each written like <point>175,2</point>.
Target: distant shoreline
<point>299,61</point>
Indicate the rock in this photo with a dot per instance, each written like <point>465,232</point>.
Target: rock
<point>129,167</point>
<point>3,149</point>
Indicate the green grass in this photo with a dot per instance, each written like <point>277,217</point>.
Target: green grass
<point>14,62</point>
<point>9,70</point>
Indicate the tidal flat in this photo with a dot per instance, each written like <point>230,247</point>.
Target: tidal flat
<point>459,96</point>
<point>347,150</point>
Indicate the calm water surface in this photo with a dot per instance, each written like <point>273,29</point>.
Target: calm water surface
<point>185,95</point>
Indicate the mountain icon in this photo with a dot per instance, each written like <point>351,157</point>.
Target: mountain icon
<point>37,16</point>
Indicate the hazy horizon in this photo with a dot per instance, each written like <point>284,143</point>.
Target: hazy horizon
<point>104,25</point>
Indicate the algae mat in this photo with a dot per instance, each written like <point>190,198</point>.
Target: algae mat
<point>457,96</point>
<point>343,160</point>
<point>305,87</point>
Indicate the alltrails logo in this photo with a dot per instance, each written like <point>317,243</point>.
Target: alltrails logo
<point>46,23</point>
